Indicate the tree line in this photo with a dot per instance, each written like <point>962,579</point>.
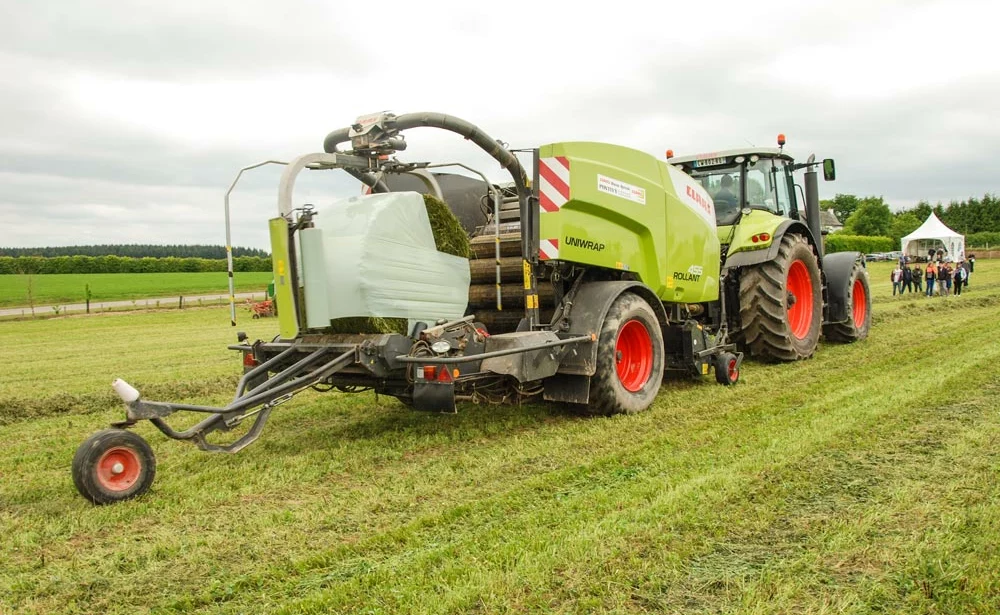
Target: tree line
<point>126,264</point>
<point>136,251</point>
<point>977,219</point>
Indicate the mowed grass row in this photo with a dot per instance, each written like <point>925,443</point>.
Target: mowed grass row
<point>65,365</point>
<point>55,289</point>
<point>863,480</point>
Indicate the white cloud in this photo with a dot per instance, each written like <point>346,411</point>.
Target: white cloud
<point>124,123</point>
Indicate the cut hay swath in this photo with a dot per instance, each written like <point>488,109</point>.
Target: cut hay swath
<point>449,237</point>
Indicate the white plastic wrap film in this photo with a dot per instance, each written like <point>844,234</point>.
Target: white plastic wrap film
<point>314,277</point>
<point>413,282</point>
<point>398,216</point>
<point>374,256</point>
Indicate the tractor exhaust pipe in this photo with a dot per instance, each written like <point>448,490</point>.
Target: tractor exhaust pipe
<point>812,209</point>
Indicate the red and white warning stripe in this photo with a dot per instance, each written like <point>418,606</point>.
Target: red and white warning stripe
<point>553,183</point>
<point>548,249</point>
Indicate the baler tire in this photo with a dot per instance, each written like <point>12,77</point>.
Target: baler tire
<point>113,465</point>
<point>859,318</point>
<point>765,311</point>
<point>727,370</point>
<point>629,369</point>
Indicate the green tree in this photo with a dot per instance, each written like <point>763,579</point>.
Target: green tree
<point>902,225</point>
<point>872,217</point>
<point>922,210</point>
<point>842,204</point>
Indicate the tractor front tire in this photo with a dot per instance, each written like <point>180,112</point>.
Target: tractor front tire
<point>629,367</point>
<point>113,465</point>
<point>859,318</point>
<point>781,303</point>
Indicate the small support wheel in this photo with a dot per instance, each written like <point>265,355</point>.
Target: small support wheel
<point>113,465</point>
<point>727,369</point>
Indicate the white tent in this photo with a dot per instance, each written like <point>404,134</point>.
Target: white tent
<point>934,235</point>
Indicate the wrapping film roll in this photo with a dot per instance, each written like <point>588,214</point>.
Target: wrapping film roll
<point>373,258</point>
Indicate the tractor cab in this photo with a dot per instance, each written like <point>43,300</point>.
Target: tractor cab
<point>754,192</point>
<point>754,178</point>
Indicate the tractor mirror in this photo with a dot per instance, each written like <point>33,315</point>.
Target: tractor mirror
<point>829,170</point>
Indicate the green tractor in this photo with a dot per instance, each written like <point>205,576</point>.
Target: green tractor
<point>780,289</point>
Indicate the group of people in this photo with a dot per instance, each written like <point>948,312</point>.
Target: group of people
<point>939,274</point>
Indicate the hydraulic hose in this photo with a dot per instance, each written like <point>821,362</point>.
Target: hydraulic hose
<point>446,122</point>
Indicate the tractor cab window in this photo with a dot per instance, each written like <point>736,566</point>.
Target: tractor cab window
<point>767,186</point>
<point>724,185</point>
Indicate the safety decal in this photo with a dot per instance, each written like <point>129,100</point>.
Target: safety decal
<point>553,183</point>
<point>548,249</point>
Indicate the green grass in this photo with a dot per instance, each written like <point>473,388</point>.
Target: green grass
<point>70,288</point>
<point>864,480</point>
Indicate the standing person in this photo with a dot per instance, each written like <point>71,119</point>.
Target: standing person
<point>960,277</point>
<point>970,266</point>
<point>931,274</point>
<point>944,280</point>
<point>918,279</point>
<point>907,280</point>
<point>897,280</point>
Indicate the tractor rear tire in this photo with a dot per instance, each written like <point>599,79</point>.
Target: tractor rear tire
<point>859,319</point>
<point>113,465</point>
<point>781,303</point>
<point>629,367</point>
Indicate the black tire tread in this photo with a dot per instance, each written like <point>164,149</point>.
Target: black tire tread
<point>607,396</point>
<point>90,451</point>
<point>722,369</point>
<point>762,304</point>
<point>847,332</point>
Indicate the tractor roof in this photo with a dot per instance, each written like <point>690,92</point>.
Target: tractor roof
<point>723,157</point>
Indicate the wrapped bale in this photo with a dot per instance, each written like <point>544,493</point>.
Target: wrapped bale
<point>398,258</point>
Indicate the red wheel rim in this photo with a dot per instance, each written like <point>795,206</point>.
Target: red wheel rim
<point>859,305</point>
<point>633,355</point>
<point>733,370</point>
<point>118,469</point>
<point>800,311</point>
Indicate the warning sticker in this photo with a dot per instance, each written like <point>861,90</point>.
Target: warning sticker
<point>621,189</point>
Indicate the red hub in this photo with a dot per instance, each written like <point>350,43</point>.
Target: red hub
<point>633,355</point>
<point>734,371</point>
<point>800,300</point>
<point>118,469</point>
<point>859,304</point>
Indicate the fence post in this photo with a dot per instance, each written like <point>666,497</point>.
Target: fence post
<point>180,302</point>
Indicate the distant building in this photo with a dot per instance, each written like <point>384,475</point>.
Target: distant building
<point>829,221</point>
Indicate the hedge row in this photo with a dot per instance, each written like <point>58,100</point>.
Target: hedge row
<point>838,242</point>
<point>125,264</point>
<point>981,240</point>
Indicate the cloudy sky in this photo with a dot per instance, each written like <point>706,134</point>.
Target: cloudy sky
<point>125,122</point>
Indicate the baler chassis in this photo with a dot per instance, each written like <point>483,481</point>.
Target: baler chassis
<point>607,343</point>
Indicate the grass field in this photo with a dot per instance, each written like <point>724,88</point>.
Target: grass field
<point>864,480</point>
<point>57,289</point>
